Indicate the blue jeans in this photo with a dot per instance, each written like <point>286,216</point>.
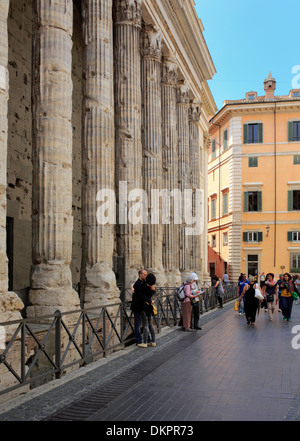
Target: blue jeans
<point>148,329</point>
<point>241,307</point>
<point>286,306</point>
<point>137,326</point>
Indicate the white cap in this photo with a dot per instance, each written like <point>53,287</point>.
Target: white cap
<point>193,276</point>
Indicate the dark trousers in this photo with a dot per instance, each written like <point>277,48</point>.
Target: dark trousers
<point>286,306</point>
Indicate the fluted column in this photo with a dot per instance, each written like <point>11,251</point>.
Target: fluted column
<point>152,152</point>
<point>99,284</point>
<point>4,86</point>
<point>195,239</point>
<point>170,169</point>
<point>127,22</point>
<point>183,102</point>
<point>51,282</point>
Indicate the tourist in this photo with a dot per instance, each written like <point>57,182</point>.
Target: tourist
<point>136,304</point>
<point>251,303</point>
<point>242,282</point>
<point>219,290</point>
<point>287,289</point>
<point>195,303</point>
<point>226,279</point>
<point>279,281</point>
<point>146,293</point>
<point>186,306</point>
<point>269,291</point>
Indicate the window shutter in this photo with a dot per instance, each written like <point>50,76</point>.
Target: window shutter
<point>260,236</point>
<point>260,132</point>
<point>245,237</point>
<point>259,201</point>
<point>290,236</point>
<point>290,131</point>
<point>290,200</point>
<point>245,133</point>
<point>246,201</point>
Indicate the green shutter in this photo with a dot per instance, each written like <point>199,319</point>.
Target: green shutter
<point>245,133</point>
<point>259,201</point>
<point>253,161</point>
<point>260,132</point>
<point>290,200</point>
<point>246,201</point>
<point>290,236</point>
<point>290,131</point>
<point>245,237</point>
<point>260,236</point>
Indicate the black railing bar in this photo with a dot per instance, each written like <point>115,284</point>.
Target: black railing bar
<point>11,341</point>
<point>113,324</point>
<point>94,331</point>
<point>71,338</point>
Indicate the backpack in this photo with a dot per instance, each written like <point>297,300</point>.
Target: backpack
<point>180,293</point>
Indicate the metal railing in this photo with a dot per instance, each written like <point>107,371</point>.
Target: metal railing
<point>44,348</point>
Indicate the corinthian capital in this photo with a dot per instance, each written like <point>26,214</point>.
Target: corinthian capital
<point>169,71</point>
<point>195,112</point>
<point>151,43</point>
<point>183,93</point>
<point>128,11</point>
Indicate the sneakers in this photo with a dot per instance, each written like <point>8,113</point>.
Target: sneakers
<point>145,345</point>
<point>142,345</point>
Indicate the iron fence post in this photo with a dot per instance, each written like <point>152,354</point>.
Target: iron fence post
<point>57,315</point>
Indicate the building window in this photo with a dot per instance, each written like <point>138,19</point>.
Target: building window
<point>253,133</point>
<point>213,208</point>
<point>213,149</point>
<point>296,159</point>
<point>252,236</point>
<point>225,239</point>
<point>225,203</point>
<point>213,241</point>
<point>253,161</point>
<point>252,201</point>
<point>293,200</point>
<point>294,236</point>
<point>294,131</point>
<point>294,262</point>
<point>225,140</point>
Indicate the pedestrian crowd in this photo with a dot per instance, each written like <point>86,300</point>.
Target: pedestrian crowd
<point>267,294</point>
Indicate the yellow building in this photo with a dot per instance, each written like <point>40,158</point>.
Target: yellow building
<point>254,185</point>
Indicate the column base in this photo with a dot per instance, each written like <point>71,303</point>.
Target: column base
<point>10,309</point>
<point>100,286</point>
<point>51,290</point>
<point>173,279</point>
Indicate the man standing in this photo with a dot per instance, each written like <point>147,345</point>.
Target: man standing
<point>136,304</point>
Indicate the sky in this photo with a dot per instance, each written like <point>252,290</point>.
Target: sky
<point>247,39</point>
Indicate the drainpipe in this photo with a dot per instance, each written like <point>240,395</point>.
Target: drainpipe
<point>219,195</point>
<point>275,185</point>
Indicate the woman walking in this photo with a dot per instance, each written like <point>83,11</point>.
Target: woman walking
<point>287,289</point>
<point>251,303</point>
<point>220,290</point>
<point>270,292</point>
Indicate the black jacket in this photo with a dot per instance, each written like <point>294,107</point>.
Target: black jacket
<point>136,303</point>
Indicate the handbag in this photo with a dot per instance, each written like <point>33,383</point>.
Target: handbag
<point>154,309</point>
<point>295,295</point>
<point>258,294</point>
<point>236,305</point>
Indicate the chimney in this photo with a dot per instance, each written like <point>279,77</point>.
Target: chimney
<point>270,86</point>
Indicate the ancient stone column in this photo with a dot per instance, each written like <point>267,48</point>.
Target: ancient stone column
<point>4,86</point>
<point>170,170</point>
<point>183,104</point>
<point>10,304</point>
<point>152,152</point>
<point>127,22</point>
<point>99,284</point>
<point>195,239</point>
<point>51,282</point>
